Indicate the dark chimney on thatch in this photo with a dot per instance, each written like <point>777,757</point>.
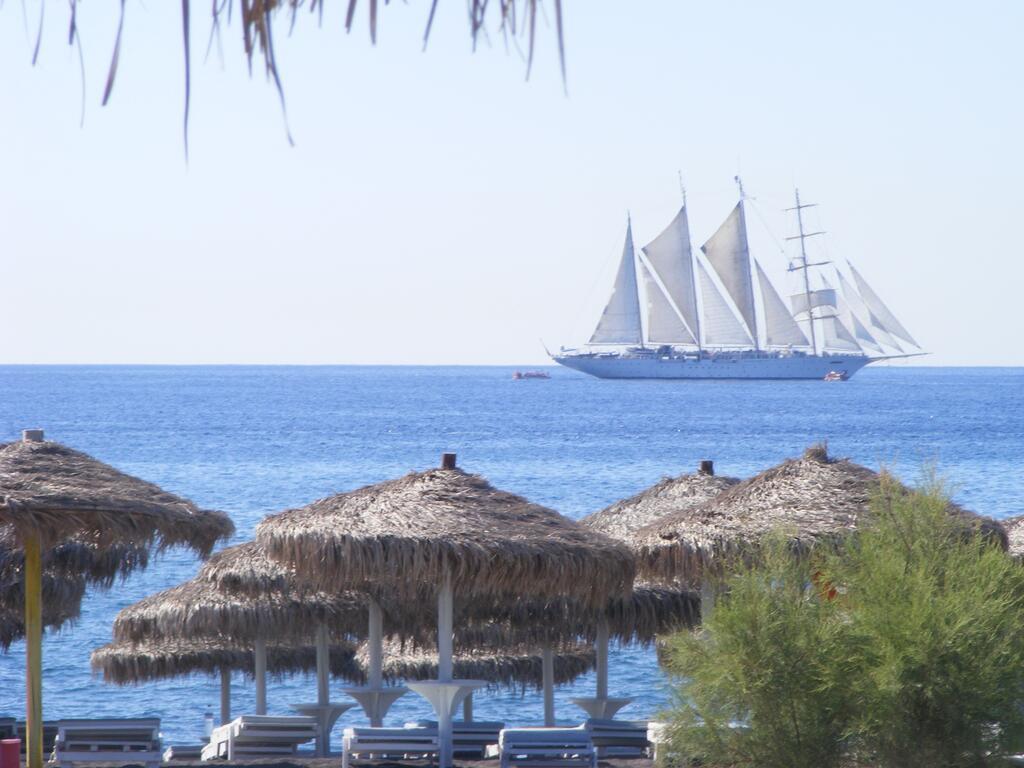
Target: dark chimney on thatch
<point>447,461</point>
<point>707,467</point>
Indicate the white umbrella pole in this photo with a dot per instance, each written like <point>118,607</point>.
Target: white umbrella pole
<point>445,618</point>
<point>445,636</point>
<point>225,695</point>
<point>322,666</point>
<point>601,647</point>
<point>548,672</point>
<point>260,671</point>
<point>376,645</point>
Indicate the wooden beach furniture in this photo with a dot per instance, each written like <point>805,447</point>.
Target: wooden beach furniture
<point>389,745</point>
<point>108,740</point>
<point>619,738</point>
<point>469,739</point>
<point>546,747</point>
<point>257,735</point>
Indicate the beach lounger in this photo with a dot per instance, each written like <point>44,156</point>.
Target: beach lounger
<point>406,745</point>
<point>110,740</point>
<point>657,735</point>
<point>190,752</point>
<point>257,735</point>
<point>619,738</point>
<point>469,740</point>
<point>547,747</point>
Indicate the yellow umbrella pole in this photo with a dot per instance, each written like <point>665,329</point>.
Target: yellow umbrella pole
<point>33,653</point>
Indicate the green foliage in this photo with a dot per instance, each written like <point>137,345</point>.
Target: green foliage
<point>903,650</point>
<point>938,615</point>
<point>763,684</point>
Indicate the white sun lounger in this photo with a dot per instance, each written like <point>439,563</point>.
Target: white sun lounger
<point>256,735</point>
<point>112,740</point>
<point>406,745</point>
<point>192,752</point>
<point>468,739</point>
<point>547,747</point>
<point>619,738</point>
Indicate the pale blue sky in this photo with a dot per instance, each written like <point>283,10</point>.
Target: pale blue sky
<point>437,209</point>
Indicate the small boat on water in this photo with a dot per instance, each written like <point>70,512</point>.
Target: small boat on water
<point>519,375</point>
<point>837,376</point>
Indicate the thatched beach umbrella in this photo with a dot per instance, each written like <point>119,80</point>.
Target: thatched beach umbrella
<point>197,610</point>
<point>816,499</point>
<point>50,493</point>
<point>247,570</point>
<point>672,494</point>
<point>457,534</point>
<point>621,520</point>
<point>126,662</point>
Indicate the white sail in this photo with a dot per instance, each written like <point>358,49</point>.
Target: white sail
<point>837,337</point>
<point>883,316</point>
<point>864,315</point>
<point>720,325</point>
<point>858,330</point>
<point>620,321</point>
<point>663,324</point>
<point>729,254</point>
<point>780,329</point>
<point>671,259</point>
<point>822,297</point>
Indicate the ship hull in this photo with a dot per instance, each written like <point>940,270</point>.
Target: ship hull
<point>777,368</point>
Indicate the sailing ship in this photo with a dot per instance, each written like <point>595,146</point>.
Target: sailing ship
<point>714,314</point>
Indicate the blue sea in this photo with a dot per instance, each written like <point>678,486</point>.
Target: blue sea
<point>255,440</point>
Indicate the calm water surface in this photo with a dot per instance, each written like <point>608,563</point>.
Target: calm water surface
<point>254,440</point>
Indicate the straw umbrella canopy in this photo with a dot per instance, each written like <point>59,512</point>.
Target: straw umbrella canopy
<point>198,608</point>
<point>56,614</point>
<point>446,525</point>
<point>132,663</point>
<point>76,557</point>
<point>516,667</point>
<point>454,533</point>
<point>672,494</point>
<point>50,493</point>
<point>816,499</point>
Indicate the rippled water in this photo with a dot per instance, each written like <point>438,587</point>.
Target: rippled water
<point>254,440</point>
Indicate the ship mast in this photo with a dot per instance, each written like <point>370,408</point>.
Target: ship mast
<point>803,264</point>
<point>636,272</point>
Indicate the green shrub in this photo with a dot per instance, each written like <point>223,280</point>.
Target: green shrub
<point>763,684</point>
<point>904,649</point>
<point>939,618</point>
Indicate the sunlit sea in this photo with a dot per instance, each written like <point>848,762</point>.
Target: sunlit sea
<point>255,440</point>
